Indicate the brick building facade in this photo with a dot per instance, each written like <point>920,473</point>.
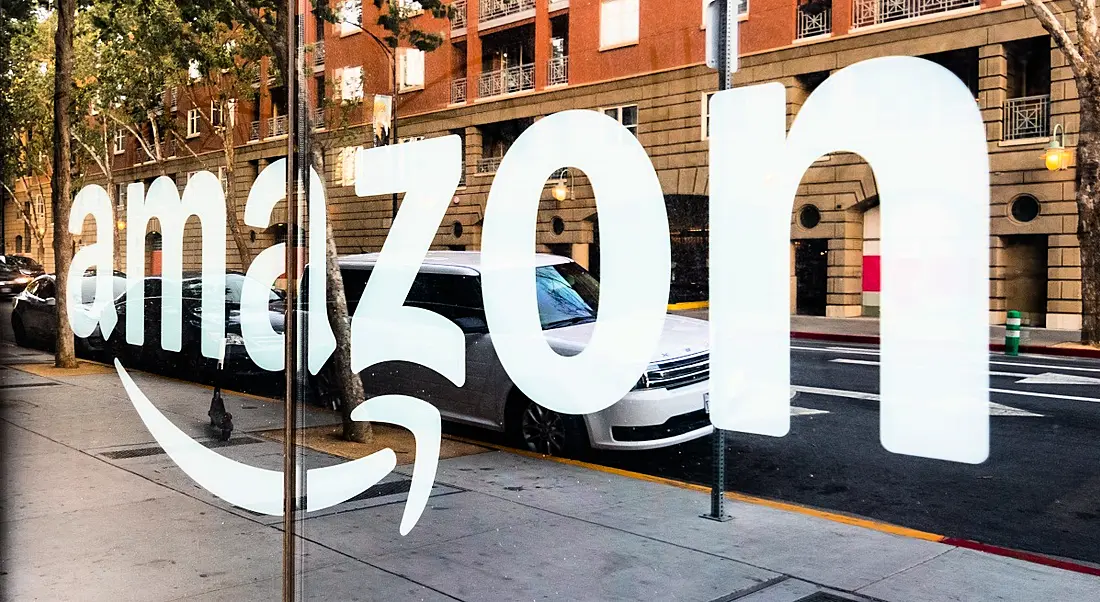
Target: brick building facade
<point>506,63</point>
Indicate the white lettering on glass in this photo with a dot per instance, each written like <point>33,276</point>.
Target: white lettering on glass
<point>932,174</point>
<point>203,198</point>
<point>383,329</point>
<point>92,200</point>
<point>634,254</point>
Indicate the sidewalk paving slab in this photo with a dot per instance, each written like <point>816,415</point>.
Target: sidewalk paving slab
<point>499,526</point>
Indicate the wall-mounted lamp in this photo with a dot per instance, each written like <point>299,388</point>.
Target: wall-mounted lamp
<point>1056,156</point>
<point>561,191</point>
<point>121,224</point>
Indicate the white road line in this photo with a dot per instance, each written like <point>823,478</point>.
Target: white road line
<point>797,411</point>
<point>1053,378</point>
<point>995,409</point>
<point>844,360</point>
<point>1047,395</point>
<point>994,362</point>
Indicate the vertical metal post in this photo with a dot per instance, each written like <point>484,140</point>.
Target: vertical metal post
<point>727,64</point>
<point>290,460</point>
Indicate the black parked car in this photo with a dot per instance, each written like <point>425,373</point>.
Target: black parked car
<point>34,313</point>
<point>189,360</point>
<point>16,272</point>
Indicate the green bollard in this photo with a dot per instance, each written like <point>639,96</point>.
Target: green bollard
<point>1012,333</point>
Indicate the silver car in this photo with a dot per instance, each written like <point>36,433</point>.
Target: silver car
<point>666,407</point>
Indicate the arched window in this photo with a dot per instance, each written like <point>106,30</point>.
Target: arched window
<point>19,244</point>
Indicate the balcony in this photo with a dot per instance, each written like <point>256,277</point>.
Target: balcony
<point>506,81</point>
<point>495,10</point>
<point>488,164</point>
<point>1027,117</point>
<point>277,126</point>
<point>174,95</point>
<point>458,21</point>
<point>812,23</point>
<point>874,12</point>
<point>318,118</point>
<point>319,53</point>
<point>557,73</point>
<point>254,131</point>
<point>458,91</point>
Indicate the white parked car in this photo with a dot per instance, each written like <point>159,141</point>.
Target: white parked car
<point>666,407</point>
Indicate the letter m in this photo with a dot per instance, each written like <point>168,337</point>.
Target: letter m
<point>920,130</point>
<point>204,199</point>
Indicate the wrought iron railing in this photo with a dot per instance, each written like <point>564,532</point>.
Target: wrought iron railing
<point>318,117</point>
<point>174,95</point>
<point>319,52</point>
<point>254,131</point>
<point>495,9</point>
<point>458,90</point>
<point>814,23</point>
<point>458,21</point>
<point>558,71</point>
<point>1027,117</point>
<point>506,81</point>
<point>873,12</point>
<point>488,164</point>
<point>277,126</point>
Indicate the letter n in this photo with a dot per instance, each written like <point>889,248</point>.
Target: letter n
<point>921,131</point>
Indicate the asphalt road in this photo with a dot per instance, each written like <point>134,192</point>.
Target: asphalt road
<point>1038,491</point>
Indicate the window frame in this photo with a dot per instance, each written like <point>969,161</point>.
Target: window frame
<point>623,41</point>
<point>194,127</point>
<point>120,141</point>
<point>618,116</point>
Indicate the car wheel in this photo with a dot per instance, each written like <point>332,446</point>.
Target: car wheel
<point>542,430</point>
<point>19,331</point>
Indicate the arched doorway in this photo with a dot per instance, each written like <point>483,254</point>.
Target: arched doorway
<point>153,250</point>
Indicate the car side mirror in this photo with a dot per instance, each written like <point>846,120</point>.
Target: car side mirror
<point>473,325</point>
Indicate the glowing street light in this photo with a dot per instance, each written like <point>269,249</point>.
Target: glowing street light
<point>1056,156</point>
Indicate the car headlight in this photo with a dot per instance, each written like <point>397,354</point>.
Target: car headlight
<point>232,338</point>
<point>22,280</point>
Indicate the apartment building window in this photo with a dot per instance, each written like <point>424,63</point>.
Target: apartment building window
<point>626,115</point>
<point>345,166</point>
<point>351,17</point>
<point>409,8</point>
<point>410,69</point>
<point>350,83</point>
<point>409,139</point>
<point>618,23</point>
<point>40,206</point>
<point>192,123</point>
<point>216,118</point>
<point>120,141</point>
<point>120,196</point>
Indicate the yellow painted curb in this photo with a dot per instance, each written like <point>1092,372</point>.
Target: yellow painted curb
<point>740,497</point>
<point>688,305</point>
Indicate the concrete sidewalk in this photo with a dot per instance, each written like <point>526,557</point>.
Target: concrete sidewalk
<point>93,510</point>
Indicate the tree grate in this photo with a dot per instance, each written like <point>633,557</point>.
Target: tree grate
<point>156,450</point>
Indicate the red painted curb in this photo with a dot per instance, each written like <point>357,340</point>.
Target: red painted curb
<point>1025,556</point>
<point>874,340</point>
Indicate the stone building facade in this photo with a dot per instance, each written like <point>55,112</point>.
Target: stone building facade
<point>658,86</point>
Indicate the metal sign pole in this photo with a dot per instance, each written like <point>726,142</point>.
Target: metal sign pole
<point>724,22</point>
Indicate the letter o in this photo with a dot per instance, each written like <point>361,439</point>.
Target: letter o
<point>635,260</point>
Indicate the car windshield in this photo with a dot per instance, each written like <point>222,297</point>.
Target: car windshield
<point>567,294</point>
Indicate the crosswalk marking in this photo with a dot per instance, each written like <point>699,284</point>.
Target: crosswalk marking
<point>844,360</point>
<point>995,409</point>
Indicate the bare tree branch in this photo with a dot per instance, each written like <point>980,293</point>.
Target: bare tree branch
<point>1061,36</point>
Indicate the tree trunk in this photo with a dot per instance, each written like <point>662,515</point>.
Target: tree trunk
<point>61,201</point>
<point>244,253</point>
<point>116,234</point>
<point>348,383</point>
<point>1088,212</point>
